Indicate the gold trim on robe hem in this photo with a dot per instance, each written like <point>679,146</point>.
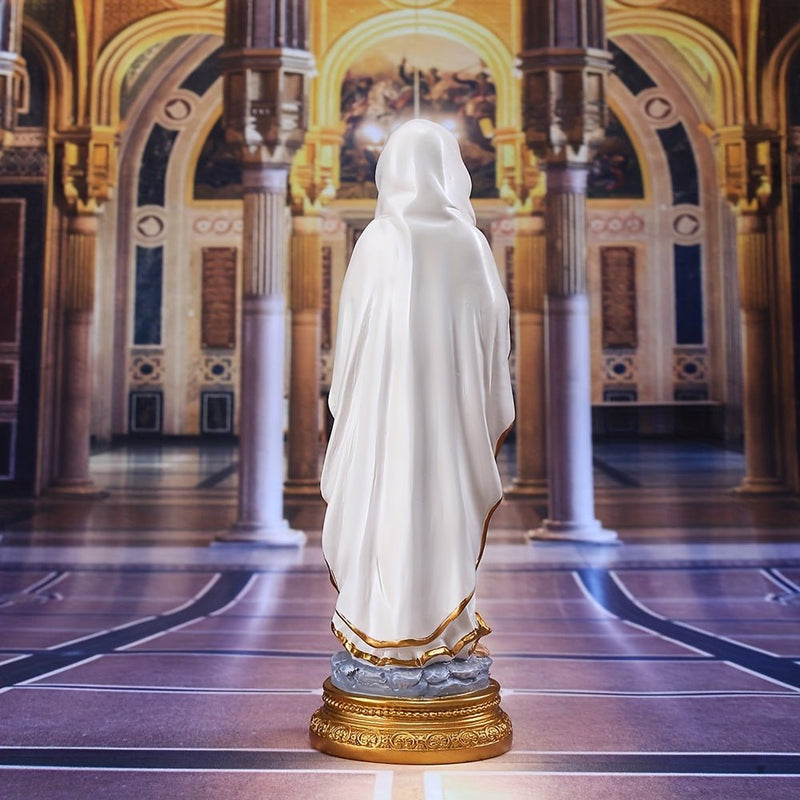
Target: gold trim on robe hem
<point>379,643</point>
<point>482,630</point>
<point>383,661</point>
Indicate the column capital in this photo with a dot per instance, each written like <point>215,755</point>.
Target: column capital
<point>84,219</point>
<point>749,159</point>
<point>313,179</point>
<point>264,177</point>
<point>564,106</point>
<point>12,69</point>
<point>88,166</point>
<point>266,101</point>
<point>567,177</point>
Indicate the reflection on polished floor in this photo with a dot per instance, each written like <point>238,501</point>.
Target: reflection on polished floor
<point>140,660</point>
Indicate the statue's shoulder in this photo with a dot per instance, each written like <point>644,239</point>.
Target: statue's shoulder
<point>376,234</point>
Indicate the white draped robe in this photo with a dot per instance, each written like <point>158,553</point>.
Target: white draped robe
<point>421,396</point>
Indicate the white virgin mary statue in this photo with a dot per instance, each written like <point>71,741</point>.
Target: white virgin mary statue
<point>421,398</point>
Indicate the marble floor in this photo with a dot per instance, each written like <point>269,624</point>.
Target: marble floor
<point>139,659</point>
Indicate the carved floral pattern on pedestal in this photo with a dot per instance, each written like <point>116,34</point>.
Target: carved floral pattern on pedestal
<point>462,727</point>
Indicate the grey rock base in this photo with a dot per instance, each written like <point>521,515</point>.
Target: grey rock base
<point>456,676</point>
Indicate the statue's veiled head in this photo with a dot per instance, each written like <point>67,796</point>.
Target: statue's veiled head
<point>420,173</point>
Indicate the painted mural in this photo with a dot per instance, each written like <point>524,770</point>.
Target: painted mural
<point>218,175</point>
<point>441,80</point>
<point>615,170</point>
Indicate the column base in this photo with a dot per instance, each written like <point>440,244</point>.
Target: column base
<point>591,532</point>
<point>526,488</point>
<point>78,490</point>
<point>756,486</point>
<point>428,730</point>
<point>303,488</point>
<point>263,535</point>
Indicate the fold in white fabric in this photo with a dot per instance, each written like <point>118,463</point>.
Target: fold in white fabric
<point>420,395</point>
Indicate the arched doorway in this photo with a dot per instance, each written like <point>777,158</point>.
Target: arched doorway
<point>175,347</point>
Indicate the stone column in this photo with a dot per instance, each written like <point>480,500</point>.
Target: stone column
<point>266,68</point>
<point>564,64</point>
<point>761,464</point>
<point>261,449</point>
<point>72,465</point>
<point>304,391</point>
<point>12,68</point>
<point>749,163</point>
<point>569,401</point>
<point>529,293</point>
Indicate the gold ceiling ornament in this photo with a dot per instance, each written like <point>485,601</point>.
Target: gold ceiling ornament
<point>397,730</point>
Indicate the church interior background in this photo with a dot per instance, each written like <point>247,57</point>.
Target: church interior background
<point>124,280</point>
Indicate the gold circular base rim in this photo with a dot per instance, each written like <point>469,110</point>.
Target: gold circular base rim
<point>390,730</point>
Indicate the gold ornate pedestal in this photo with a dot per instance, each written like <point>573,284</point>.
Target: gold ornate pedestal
<point>435,730</point>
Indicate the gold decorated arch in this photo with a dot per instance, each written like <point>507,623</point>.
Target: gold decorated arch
<point>707,45</point>
<point>776,77</point>
<point>118,55</point>
<point>429,22</point>
<point>59,77</point>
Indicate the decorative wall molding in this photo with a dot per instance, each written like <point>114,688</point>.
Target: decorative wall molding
<point>218,297</point>
<point>620,367</point>
<point>219,370</point>
<point>146,369</point>
<point>688,224</point>
<point>23,162</point>
<point>618,225</point>
<point>177,110</point>
<point>690,366</point>
<point>218,225</point>
<point>150,226</point>
<point>618,297</point>
<point>657,108</point>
